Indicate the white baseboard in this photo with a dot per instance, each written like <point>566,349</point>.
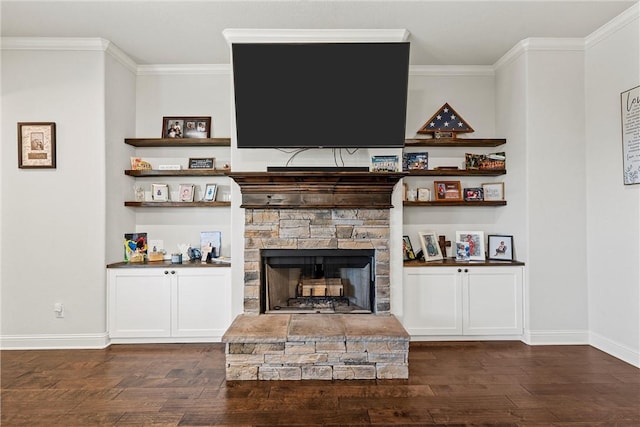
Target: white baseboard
<point>615,349</point>
<point>45,342</point>
<point>579,337</point>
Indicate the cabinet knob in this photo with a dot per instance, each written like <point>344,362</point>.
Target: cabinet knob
<point>166,272</point>
<point>466,270</point>
<point>173,272</point>
<point>459,270</point>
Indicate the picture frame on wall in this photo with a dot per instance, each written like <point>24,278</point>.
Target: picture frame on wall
<point>430,247</point>
<point>37,145</point>
<point>186,127</point>
<point>500,247</point>
<point>407,249</point>
<point>475,239</point>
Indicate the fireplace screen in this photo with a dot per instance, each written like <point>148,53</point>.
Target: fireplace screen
<point>317,281</point>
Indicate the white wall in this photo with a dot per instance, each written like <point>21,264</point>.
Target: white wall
<point>53,219</point>
<point>613,209</point>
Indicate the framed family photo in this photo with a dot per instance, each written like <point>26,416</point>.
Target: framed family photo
<point>475,239</point>
<point>430,246</point>
<point>500,247</point>
<point>447,191</point>
<point>36,145</point>
<point>186,127</point>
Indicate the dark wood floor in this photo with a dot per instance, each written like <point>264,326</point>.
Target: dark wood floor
<point>490,383</point>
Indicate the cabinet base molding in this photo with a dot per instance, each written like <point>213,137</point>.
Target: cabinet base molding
<point>182,340</point>
<point>431,338</point>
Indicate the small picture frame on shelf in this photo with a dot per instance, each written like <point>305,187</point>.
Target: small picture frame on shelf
<point>415,161</point>
<point>462,251</point>
<point>202,163</point>
<point>500,247</point>
<point>407,249</point>
<point>475,239</point>
<point>493,191</point>
<point>447,191</point>
<point>186,127</point>
<point>186,192</point>
<point>475,194</point>
<point>424,194</point>
<point>430,246</point>
<point>210,191</point>
<point>384,163</point>
<point>160,192</point>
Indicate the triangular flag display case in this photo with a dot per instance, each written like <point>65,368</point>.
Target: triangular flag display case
<point>445,123</point>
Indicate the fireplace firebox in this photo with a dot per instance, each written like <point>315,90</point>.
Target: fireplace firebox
<point>317,281</point>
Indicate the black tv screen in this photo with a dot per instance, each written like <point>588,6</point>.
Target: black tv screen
<point>334,95</point>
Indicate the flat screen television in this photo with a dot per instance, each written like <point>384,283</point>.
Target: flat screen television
<point>320,95</point>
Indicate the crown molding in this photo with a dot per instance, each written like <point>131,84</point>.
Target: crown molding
<point>451,70</point>
<point>120,56</point>
<point>616,24</point>
<point>184,69</point>
<point>259,35</point>
<point>540,44</point>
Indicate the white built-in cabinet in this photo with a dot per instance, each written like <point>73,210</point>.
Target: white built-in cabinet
<point>463,300</point>
<point>172,303</point>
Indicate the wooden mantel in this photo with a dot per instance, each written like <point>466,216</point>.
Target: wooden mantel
<point>316,189</point>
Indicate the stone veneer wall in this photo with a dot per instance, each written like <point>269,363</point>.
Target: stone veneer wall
<point>316,229</point>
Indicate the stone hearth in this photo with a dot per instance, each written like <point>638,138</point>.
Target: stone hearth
<point>316,347</point>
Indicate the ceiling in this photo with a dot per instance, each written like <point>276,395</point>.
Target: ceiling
<point>452,32</point>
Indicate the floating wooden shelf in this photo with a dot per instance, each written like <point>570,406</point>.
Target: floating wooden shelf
<point>181,172</point>
<point>458,203</point>
<point>451,262</point>
<point>456,172</point>
<point>180,142</point>
<point>177,204</point>
<point>453,142</point>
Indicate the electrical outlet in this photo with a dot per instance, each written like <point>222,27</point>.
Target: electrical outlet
<point>58,309</point>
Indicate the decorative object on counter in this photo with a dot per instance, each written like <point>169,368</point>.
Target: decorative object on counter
<point>37,145</point>
<point>210,191</point>
<point>444,244</point>
<point>500,247</point>
<point>415,161</point>
<point>156,255</point>
<point>445,123</point>
<point>384,164</point>
<point>137,164</point>
<point>186,192</point>
<point>430,247</point>
<point>135,247</point>
<point>475,239</point>
<point>176,258</point>
<point>186,127</point>
<point>493,190</point>
<point>448,191</point>
<point>159,192</point>
<point>407,249</point>
<point>210,244</point>
<point>184,250</point>
<point>202,163</point>
<point>474,194</point>
<point>194,254</point>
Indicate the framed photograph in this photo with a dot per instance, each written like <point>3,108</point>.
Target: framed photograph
<point>407,248</point>
<point>424,194</point>
<point>430,246</point>
<point>185,192</point>
<point>462,251</point>
<point>475,239</point>
<point>159,192</point>
<point>210,191</point>
<point>36,145</point>
<point>449,191</point>
<point>202,163</point>
<point>186,127</point>
<point>500,247</point>
<point>493,191</point>
<point>415,161</point>
<point>473,194</point>
<point>384,164</point>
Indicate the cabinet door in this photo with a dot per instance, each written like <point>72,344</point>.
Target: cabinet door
<point>492,301</point>
<point>139,303</point>
<point>202,302</point>
<point>432,301</point>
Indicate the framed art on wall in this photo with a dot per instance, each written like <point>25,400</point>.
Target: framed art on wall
<point>500,247</point>
<point>36,145</point>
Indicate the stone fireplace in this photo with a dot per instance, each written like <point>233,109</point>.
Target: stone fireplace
<point>321,218</point>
